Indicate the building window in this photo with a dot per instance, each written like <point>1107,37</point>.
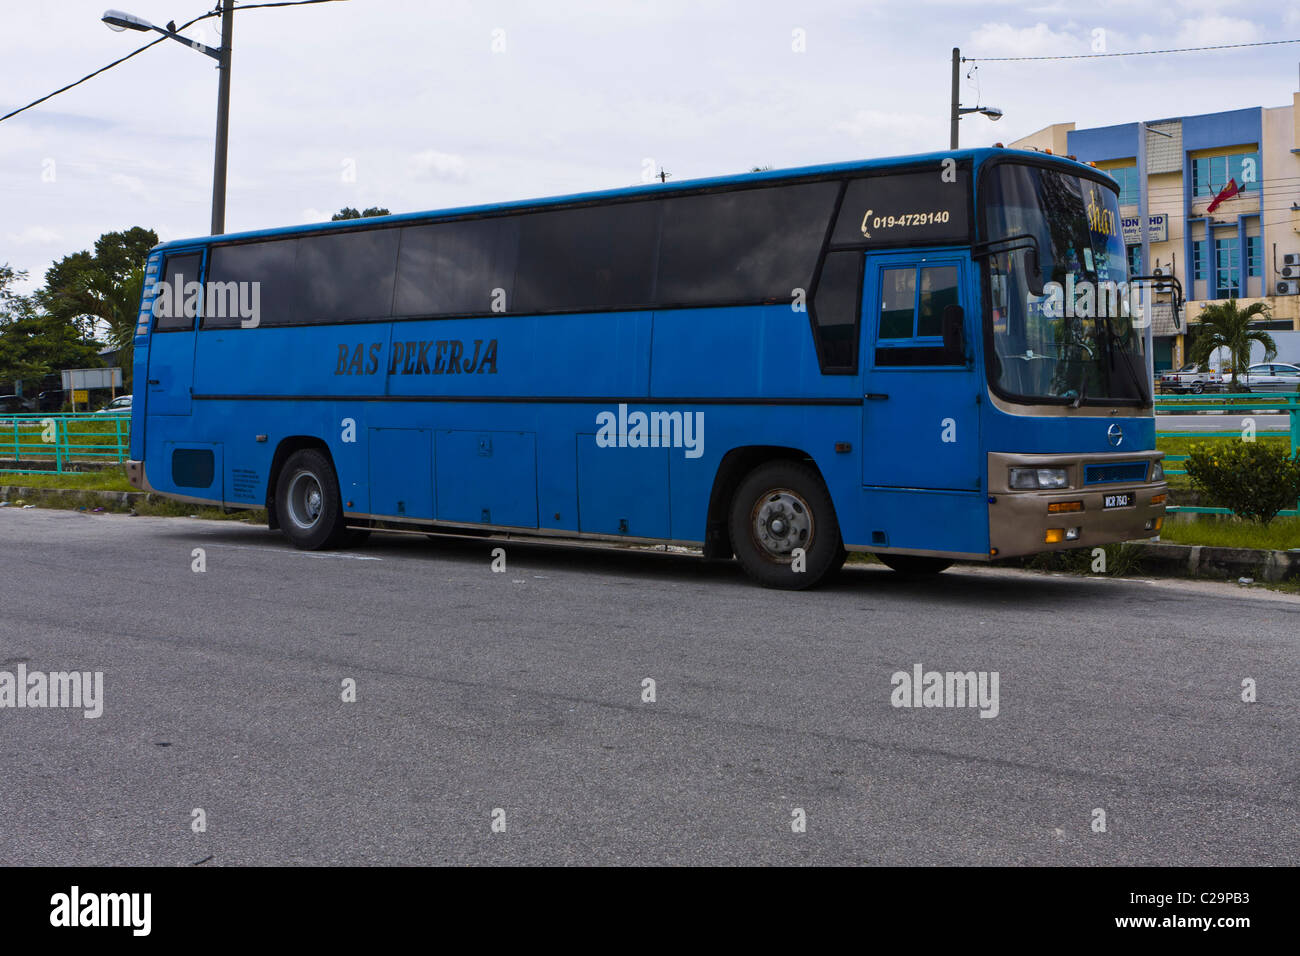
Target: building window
<point>1198,259</point>
<point>1134,260</point>
<point>1254,264</point>
<point>1211,173</point>
<point>1127,178</point>
<point>1227,268</point>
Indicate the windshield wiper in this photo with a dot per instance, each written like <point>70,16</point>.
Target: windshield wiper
<point>1083,387</point>
<point>1115,344</point>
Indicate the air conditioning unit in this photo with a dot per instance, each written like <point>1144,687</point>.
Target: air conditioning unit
<point>1291,259</point>
<point>1288,287</point>
<point>1290,272</point>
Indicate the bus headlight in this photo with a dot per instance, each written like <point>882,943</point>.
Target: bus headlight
<point>1031,479</point>
<point>1157,472</point>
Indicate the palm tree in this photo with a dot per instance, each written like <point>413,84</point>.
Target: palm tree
<point>117,304</point>
<point>1223,325</point>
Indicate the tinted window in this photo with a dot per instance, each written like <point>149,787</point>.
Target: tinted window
<point>897,303</point>
<point>451,268</point>
<point>601,257</point>
<point>938,291</point>
<point>176,273</point>
<point>905,209</point>
<point>836,307</point>
<point>348,276</point>
<point>912,306</point>
<point>742,246</point>
<point>269,264</point>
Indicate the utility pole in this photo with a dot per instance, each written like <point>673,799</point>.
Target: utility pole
<point>956,97</point>
<point>227,10</point>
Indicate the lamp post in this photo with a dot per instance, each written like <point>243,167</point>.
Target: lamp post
<point>958,111</point>
<point>119,21</point>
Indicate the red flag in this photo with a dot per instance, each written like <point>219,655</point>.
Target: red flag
<point>1228,192</point>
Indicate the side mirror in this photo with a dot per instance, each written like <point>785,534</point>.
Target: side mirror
<point>1033,275</point>
<point>954,335</point>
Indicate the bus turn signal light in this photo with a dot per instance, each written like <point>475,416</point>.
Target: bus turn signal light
<point>1054,536</point>
<point>1158,499</point>
<point>1059,507</point>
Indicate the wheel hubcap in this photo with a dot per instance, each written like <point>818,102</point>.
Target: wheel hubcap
<point>781,522</point>
<point>305,500</point>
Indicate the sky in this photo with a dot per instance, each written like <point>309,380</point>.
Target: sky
<point>431,104</point>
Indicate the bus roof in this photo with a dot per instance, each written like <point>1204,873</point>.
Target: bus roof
<point>977,156</point>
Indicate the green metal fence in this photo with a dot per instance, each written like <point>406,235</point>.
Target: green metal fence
<point>1247,405</point>
<point>43,444</point>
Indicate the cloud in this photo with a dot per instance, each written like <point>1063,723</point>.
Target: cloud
<point>1003,39</point>
<point>438,165</point>
<point>1210,31</point>
<point>34,235</point>
<point>904,132</point>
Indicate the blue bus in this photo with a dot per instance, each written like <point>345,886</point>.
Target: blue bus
<point>781,367</point>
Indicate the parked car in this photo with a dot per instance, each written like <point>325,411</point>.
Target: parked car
<point>118,406</point>
<point>1270,377</point>
<point>50,401</point>
<point>1190,378</point>
<point>15,404</point>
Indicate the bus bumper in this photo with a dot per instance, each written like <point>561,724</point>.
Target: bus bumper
<point>1085,514</point>
<point>135,475</point>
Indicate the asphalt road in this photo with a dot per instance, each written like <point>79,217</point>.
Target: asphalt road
<point>522,691</point>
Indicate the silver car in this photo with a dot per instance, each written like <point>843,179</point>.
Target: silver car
<point>1272,377</point>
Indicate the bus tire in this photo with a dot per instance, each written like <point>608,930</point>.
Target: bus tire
<point>913,565</point>
<point>308,503</point>
<point>778,507</point>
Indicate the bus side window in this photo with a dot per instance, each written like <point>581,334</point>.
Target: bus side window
<point>914,301</point>
<point>836,307</point>
<point>178,271</point>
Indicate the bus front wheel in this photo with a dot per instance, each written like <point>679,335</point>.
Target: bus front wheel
<point>307,501</point>
<point>783,526</point>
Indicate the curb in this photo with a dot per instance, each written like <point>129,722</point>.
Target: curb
<point>83,495</point>
<point>1172,560</point>
<point>1198,560</point>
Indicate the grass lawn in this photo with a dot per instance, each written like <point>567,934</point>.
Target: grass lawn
<point>107,479</point>
<point>1281,534</point>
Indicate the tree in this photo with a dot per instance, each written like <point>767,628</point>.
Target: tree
<point>89,290</point>
<point>34,343</point>
<point>347,212</point>
<point>76,285</point>
<point>1223,325</point>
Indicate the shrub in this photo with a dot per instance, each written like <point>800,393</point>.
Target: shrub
<point>1252,479</point>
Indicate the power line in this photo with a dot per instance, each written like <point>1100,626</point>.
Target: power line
<point>213,13</point>
<point>1091,56</point>
<point>88,76</point>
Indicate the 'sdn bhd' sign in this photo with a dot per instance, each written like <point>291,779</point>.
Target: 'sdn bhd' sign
<point>1157,229</point>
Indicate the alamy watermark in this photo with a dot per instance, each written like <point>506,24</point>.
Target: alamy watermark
<point>656,429</point>
<point>922,688</point>
<point>218,300</point>
<point>74,690</point>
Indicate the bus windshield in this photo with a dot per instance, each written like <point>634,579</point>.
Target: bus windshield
<point>1061,310</point>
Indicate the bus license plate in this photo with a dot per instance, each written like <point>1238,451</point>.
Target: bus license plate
<point>1118,501</point>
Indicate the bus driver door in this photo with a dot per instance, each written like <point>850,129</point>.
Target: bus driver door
<point>921,393</point>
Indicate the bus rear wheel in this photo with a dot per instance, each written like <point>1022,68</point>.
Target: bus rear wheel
<point>914,564</point>
<point>779,508</point>
<point>307,501</point>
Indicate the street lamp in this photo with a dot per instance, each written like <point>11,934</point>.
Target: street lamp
<point>958,111</point>
<point>118,21</point>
